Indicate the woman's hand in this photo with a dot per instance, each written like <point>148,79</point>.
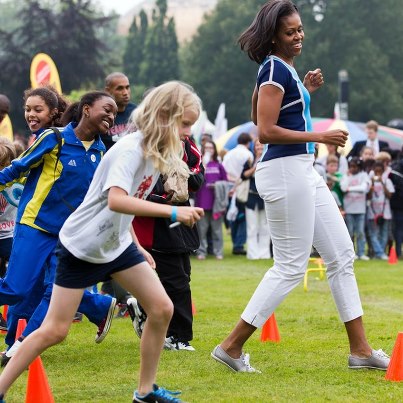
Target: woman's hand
<point>189,215</point>
<point>336,137</point>
<point>313,80</point>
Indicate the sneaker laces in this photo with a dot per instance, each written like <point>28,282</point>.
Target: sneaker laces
<point>245,359</point>
<point>167,394</point>
<point>381,354</point>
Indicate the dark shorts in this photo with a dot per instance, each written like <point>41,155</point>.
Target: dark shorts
<point>72,272</point>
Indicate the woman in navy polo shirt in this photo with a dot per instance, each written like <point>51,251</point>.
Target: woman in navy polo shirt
<point>299,207</point>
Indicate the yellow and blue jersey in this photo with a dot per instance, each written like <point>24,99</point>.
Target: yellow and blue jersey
<point>54,186</point>
<point>295,108</point>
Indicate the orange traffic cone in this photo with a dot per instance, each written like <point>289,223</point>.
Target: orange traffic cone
<point>22,324</point>
<point>392,256</point>
<point>38,389</point>
<point>5,310</point>
<point>395,369</point>
<point>194,312</point>
<point>270,330</point>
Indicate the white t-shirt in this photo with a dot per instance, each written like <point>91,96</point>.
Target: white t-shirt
<point>235,160</point>
<point>9,200</point>
<point>356,188</point>
<point>95,233</point>
<point>379,203</point>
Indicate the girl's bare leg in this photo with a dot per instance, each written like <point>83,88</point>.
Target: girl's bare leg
<point>55,327</point>
<point>142,282</point>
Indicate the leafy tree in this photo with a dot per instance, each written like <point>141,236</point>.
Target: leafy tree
<point>341,34</point>
<point>68,32</point>
<point>359,40</point>
<point>160,57</point>
<point>214,64</point>
<point>134,51</point>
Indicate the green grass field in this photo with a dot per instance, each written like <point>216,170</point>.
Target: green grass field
<point>309,364</point>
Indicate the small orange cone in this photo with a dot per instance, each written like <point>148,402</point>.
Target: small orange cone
<point>194,312</point>
<point>5,310</point>
<point>395,369</point>
<point>38,389</point>
<point>270,330</point>
<point>392,256</point>
<point>22,324</point>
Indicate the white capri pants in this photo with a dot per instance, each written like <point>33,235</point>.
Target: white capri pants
<point>302,212</point>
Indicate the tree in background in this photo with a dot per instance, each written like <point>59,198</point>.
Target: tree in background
<point>214,64</point>
<point>340,34</point>
<point>160,61</point>
<point>134,50</point>
<point>68,32</point>
<point>359,39</point>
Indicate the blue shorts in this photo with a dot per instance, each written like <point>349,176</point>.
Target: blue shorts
<point>72,272</point>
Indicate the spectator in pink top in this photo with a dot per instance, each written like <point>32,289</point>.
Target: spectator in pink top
<point>214,176</point>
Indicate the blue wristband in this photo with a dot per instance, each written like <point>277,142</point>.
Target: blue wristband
<point>173,213</point>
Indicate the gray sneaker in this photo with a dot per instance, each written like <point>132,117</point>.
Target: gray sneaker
<point>377,360</point>
<point>240,364</point>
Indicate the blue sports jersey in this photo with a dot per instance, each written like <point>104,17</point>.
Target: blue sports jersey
<point>51,191</point>
<point>294,112</point>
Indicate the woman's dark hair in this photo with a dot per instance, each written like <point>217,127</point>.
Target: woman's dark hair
<point>74,112</point>
<point>257,39</point>
<point>214,157</point>
<point>52,98</point>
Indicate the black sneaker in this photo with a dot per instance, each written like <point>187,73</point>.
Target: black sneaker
<point>158,395</point>
<point>137,315</point>
<point>3,323</point>
<point>105,325</point>
<point>239,252</point>
<point>172,343</point>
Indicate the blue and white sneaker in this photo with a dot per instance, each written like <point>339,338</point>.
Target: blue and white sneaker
<point>158,395</point>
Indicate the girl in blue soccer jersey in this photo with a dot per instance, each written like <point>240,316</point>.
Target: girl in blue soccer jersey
<point>299,206</point>
<point>59,166</point>
<point>96,241</point>
<point>43,107</point>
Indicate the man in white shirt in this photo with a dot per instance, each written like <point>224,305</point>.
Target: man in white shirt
<point>372,141</point>
<point>234,162</point>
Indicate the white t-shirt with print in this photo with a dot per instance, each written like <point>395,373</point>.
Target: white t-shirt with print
<point>380,203</point>
<point>356,188</point>
<point>95,233</point>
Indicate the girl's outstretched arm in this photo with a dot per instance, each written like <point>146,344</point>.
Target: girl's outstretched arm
<point>120,201</point>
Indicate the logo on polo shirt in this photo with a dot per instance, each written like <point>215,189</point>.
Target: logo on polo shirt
<point>72,163</point>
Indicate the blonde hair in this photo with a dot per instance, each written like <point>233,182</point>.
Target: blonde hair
<point>7,152</point>
<point>383,156</point>
<point>159,117</point>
